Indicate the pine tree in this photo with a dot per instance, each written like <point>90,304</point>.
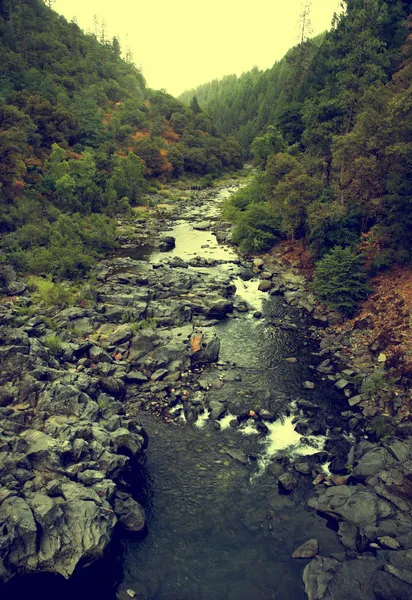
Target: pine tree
<point>194,105</point>
<point>339,280</point>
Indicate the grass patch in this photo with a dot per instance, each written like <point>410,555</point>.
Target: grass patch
<point>54,344</point>
<point>49,293</point>
<point>143,324</point>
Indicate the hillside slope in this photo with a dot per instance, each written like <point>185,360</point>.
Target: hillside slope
<point>81,133</point>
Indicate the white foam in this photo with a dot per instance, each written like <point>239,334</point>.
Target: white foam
<point>249,428</point>
<point>225,421</point>
<point>283,436</point>
<point>248,291</point>
<point>175,409</point>
<point>202,418</point>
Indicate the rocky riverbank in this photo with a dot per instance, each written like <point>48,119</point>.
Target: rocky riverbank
<point>68,445</point>
<point>149,343</point>
<point>368,494</point>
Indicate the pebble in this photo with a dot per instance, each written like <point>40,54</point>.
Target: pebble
<point>309,385</point>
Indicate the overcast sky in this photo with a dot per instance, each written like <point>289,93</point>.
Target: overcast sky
<point>182,43</point>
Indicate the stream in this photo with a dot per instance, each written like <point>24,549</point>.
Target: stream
<point>219,525</point>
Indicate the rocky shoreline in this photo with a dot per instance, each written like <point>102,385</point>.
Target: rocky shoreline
<point>70,428</point>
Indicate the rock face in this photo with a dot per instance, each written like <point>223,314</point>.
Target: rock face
<point>64,446</point>
<point>67,445</point>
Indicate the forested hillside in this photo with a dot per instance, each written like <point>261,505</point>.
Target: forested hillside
<point>81,134</point>
<point>334,142</point>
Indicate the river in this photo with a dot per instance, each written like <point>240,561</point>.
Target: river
<point>219,525</point>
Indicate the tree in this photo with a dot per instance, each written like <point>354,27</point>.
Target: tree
<point>305,25</point>
<point>14,129</point>
<point>271,142</point>
<point>128,178</point>
<point>194,106</point>
<point>339,280</point>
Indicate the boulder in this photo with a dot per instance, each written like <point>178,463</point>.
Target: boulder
<point>205,347</point>
<point>130,514</point>
<point>265,285</point>
<point>168,242</point>
<point>217,409</point>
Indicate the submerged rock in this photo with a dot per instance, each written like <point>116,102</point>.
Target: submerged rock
<point>288,482</point>
<point>307,550</point>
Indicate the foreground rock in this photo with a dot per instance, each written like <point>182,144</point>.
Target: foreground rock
<point>65,448</point>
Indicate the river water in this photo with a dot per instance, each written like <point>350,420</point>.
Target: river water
<point>219,529</point>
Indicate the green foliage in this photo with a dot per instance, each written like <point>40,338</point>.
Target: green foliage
<point>7,275</point>
<point>149,323</point>
<point>339,280</point>
<point>54,344</point>
<point>380,427</point>
<point>270,143</point>
<point>373,383</point>
<point>66,248</point>
<point>342,101</point>
<point>50,293</point>
<point>127,179</point>
<point>256,228</point>
<point>82,141</point>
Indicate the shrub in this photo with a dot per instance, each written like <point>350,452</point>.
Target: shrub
<point>54,344</point>
<point>380,427</point>
<point>339,280</point>
<point>373,383</point>
<point>7,275</point>
<point>256,230</point>
<point>51,294</point>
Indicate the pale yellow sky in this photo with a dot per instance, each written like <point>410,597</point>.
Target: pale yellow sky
<point>182,43</point>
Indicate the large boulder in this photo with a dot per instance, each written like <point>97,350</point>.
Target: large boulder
<point>205,347</point>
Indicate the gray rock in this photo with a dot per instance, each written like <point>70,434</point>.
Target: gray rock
<point>388,587</point>
<point>217,409</point>
<point>125,441</point>
<point>309,385</point>
<point>98,354</point>
<point>265,285</point>
<point>136,377</point>
<point>388,542</point>
<point>307,550</point>
<point>288,482</point>
<point>202,225</point>
<point>341,384</point>
<point>237,455</point>
<point>354,504</point>
<point>303,468</point>
<point>330,579</point>
<point>130,514</point>
<point>205,347</point>
<point>122,334</point>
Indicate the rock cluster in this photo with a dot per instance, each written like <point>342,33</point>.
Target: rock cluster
<point>67,443</point>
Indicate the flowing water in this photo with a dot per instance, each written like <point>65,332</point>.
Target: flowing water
<point>219,528</point>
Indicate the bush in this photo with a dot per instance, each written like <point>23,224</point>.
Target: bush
<point>339,280</point>
<point>256,230</point>
<point>7,275</point>
<point>66,249</point>
<point>51,294</point>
